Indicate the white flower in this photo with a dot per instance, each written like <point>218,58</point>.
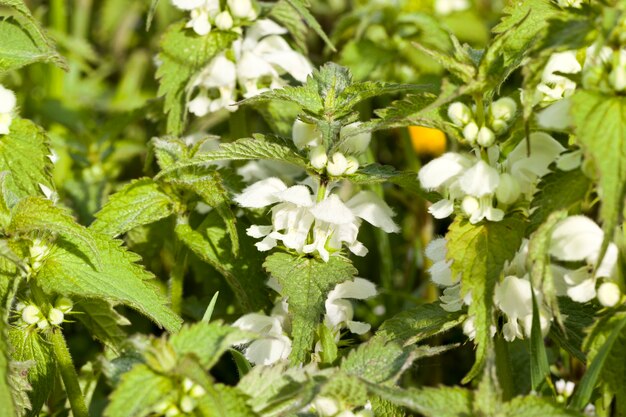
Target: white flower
<point>339,311</point>
<point>242,9</point>
<point>577,4</point>
<point>564,388</point>
<point>440,171</point>
<point>224,21</point>
<point>440,271</point>
<point>554,86</point>
<point>220,77</point>
<point>503,109</point>
<point>578,238</point>
<point>446,7</point>
<point>609,294</point>
<point>617,77</point>
<point>480,180</point>
<point>202,13</point>
<point>307,226</point>
<point>305,135</point>
<point>318,157</point>
<point>351,143</point>
<point>485,137</point>
<point>459,113</point>
<point>528,168</point>
<point>7,107</point>
<point>263,55</point>
<point>272,346</point>
<point>470,132</point>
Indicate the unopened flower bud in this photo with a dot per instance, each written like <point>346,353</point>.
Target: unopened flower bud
<point>55,316</point>
<point>20,306</point>
<point>469,205</point>
<point>31,314</point>
<point>161,408</point>
<point>187,404</point>
<point>504,109</point>
<point>609,294</point>
<point>354,144</point>
<point>499,126</point>
<point>305,134</point>
<point>197,391</point>
<point>353,165</point>
<point>43,324</point>
<point>365,413</point>
<point>326,406</point>
<point>459,113</point>
<point>242,9</point>
<point>337,165</point>
<point>486,137</point>
<point>470,132</point>
<point>172,411</point>
<point>318,157</point>
<point>508,190</point>
<point>224,21</point>
<point>64,304</point>
<point>187,384</point>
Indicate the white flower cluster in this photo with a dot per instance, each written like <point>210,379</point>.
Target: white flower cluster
<point>30,315</point>
<point>185,405</point>
<point>274,343</point>
<point>313,219</point>
<point>207,14</point>
<point>499,116</point>
<point>576,240</point>
<point>326,406</point>
<point>255,63</point>
<point>483,185</point>
<point>7,109</point>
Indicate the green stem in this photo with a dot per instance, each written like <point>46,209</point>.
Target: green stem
<point>177,278</point>
<point>58,21</point>
<point>81,15</point>
<point>68,374</point>
<point>321,191</point>
<point>480,110</point>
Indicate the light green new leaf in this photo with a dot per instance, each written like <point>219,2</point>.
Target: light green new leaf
<point>138,392</point>
<point>37,214</point>
<point>478,253</point>
<point>24,155</point>
<point>301,6</point>
<point>419,323</point>
<point>206,341</point>
<point>183,53</point>
<point>102,321</point>
<point>224,401</point>
<point>539,366</point>
<point>30,345</point>
<point>600,125</point>
<point>559,190</point>
<point>306,282</point>
<point>606,346</point>
<point>287,16</point>
<point>430,402</point>
<point>211,244</point>
<point>23,42</point>
<point>119,279</point>
<point>138,203</point>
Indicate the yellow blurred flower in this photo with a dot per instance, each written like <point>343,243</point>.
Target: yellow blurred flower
<point>427,141</point>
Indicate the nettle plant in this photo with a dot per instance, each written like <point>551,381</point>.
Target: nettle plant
<point>260,202</point>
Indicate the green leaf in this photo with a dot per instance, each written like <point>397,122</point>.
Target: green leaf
<point>183,53</point>
<point>207,184</point>
<point>530,406</point>
<point>138,203</point>
<point>301,6</point>
<point>559,190</point>
<point>37,214</point>
<point>577,318</point>
<point>118,279</point>
<point>260,147</point>
<point>478,253</point>
<point>102,322</point>
<point>210,243</point>
<point>138,392</point>
<point>206,341</point>
<point>378,174</point>
<point>600,125</point>
<point>24,155</point>
<point>6,396</point>
<point>306,282</point>
<point>606,367</point>
<point>288,17</point>
<point>30,345</point>
<point>225,401</point>
<point>430,402</point>
<point>419,323</point>
<point>24,43</point>
<point>19,387</point>
<point>539,366</point>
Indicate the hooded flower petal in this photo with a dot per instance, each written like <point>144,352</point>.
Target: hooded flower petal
<point>261,194</point>
<point>440,170</point>
<point>371,208</point>
<point>576,238</point>
<point>480,180</point>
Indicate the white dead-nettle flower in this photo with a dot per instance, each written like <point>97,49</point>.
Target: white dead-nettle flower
<point>273,344</point>
<point>203,12</point>
<point>263,56</point>
<point>554,86</point>
<point>440,271</point>
<point>617,77</point>
<point>218,84</point>
<point>339,310</point>
<point>7,108</point>
<point>579,239</point>
<point>446,7</point>
<point>564,389</point>
<point>306,225</point>
<point>242,9</point>
<point>577,4</point>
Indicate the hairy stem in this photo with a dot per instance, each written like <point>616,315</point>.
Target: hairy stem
<point>68,374</point>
